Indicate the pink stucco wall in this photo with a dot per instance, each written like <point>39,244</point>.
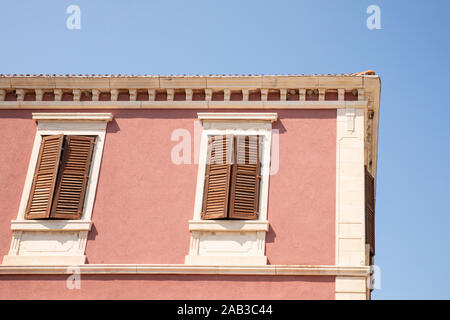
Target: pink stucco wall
<point>144,201</point>
<point>17,131</point>
<point>168,287</point>
<point>302,207</point>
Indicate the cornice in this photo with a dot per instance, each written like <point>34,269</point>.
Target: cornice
<point>360,90</point>
<point>22,89</point>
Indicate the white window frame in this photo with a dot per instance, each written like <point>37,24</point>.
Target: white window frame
<point>49,231</point>
<point>252,232</point>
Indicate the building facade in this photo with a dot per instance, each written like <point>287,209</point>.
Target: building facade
<point>188,187</point>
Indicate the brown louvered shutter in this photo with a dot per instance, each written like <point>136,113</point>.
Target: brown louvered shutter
<point>370,211</point>
<point>245,178</point>
<point>43,187</point>
<point>217,178</point>
<point>72,178</point>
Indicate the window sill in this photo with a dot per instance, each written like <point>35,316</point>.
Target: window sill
<point>50,225</point>
<point>229,225</point>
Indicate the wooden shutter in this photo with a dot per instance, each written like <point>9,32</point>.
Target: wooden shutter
<point>43,187</point>
<point>217,178</point>
<point>370,211</point>
<point>72,178</point>
<point>245,178</point>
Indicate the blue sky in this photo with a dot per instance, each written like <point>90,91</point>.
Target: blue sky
<point>410,53</point>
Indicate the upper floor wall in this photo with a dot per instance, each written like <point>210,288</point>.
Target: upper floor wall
<point>145,199</point>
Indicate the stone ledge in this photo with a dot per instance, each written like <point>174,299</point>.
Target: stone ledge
<point>50,225</point>
<point>307,270</point>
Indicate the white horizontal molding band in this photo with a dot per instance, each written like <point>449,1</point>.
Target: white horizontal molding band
<point>270,270</point>
<point>50,225</point>
<point>228,225</point>
<point>73,116</point>
<point>335,104</point>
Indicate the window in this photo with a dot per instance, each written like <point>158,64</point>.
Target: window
<point>232,177</point>
<point>60,178</point>
<point>230,222</point>
<point>54,216</point>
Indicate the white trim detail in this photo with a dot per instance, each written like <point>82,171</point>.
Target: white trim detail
<point>231,242</point>
<point>57,242</point>
<point>269,270</point>
<point>350,215</point>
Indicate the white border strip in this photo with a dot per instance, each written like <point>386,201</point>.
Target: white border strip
<point>184,269</point>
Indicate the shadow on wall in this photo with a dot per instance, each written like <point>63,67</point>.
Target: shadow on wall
<point>271,235</point>
<point>93,233</point>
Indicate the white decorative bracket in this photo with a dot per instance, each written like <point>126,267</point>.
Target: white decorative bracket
<point>302,94</point>
<point>95,94</point>
<point>114,94</point>
<point>226,94</point>
<point>58,94</point>
<point>20,94</point>
<point>76,94</point>
<point>188,94</point>
<point>133,94</point>
<point>245,94</point>
<point>322,94</point>
<point>208,94</point>
<point>151,94</point>
<point>264,94</point>
<point>39,93</point>
<point>341,94</point>
<point>170,94</point>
